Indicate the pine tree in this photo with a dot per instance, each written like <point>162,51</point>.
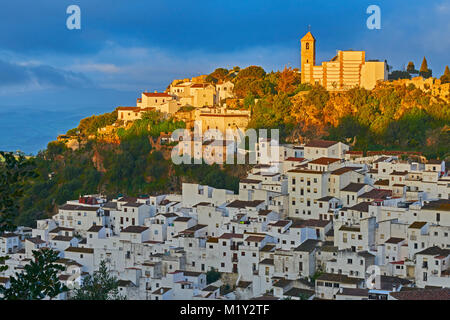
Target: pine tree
<point>424,66</point>
<point>411,68</point>
<point>101,285</point>
<point>445,78</point>
<point>424,71</point>
<point>39,279</point>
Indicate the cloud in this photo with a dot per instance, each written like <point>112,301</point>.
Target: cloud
<point>153,68</point>
<point>96,67</point>
<point>30,75</point>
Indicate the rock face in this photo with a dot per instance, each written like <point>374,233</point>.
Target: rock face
<point>166,151</point>
<point>98,162</point>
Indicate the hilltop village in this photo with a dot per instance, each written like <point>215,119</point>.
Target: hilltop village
<point>216,104</point>
<point>309,230</point>
<point>316,220</point>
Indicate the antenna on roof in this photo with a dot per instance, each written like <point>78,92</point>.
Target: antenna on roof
<point>309,28</point>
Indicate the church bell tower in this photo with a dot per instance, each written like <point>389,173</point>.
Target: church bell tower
<point>308,55</point>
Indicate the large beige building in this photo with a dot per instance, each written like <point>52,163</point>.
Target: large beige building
<point>161,101</point>
<point>194,94</point>
<point>222,119</point>
<point>346,70</point>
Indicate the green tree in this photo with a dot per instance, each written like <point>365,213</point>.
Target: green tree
<point>398,74</point>
<point>212,275</point>
<point>251,72</point>
<point>411,68</point>
<point>38,281</point>
<point>249,101</point>
<point>220,74</point>
<point>99,286</point>
<point>445,78</point>
<point>424,71</point>
<point>14,171</point>
<point>288,80</point>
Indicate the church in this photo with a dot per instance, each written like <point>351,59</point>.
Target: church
<point>346,70</point>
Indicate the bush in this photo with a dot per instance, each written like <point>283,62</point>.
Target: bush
<point>212,276</point>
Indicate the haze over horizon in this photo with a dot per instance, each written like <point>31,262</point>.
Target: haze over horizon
<point>51,77</point>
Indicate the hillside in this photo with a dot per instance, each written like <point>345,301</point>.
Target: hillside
<point>130,160</point>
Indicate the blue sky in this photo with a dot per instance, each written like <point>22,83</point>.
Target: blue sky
<point>126,46</point>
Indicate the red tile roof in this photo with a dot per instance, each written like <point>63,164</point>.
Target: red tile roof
<point>157,94</point>
<point>295,159</point>
<point>320,143</point>
<point>325,161</point>
<point>128,109</point>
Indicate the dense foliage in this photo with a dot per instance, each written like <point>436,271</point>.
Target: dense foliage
<point>445,78</point>
<point>89,126</point>
<point>389,117</point>
<point>101,285</point>
<point>39,279</point>
<point>152,123</point>
<point>212,275</point>
<point>134,167</point>
<point>15,170</point>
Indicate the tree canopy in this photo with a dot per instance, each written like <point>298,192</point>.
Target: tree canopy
<point>101,285</point>
<point>424,70</point>
<point>39,279</point>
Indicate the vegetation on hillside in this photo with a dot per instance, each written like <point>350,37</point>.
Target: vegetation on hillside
<point>101,285</point>
<point>389,117</point>
<point>39,279</point>
<point>89,126</point>
<point>134,167</point>
<point>151,124</point>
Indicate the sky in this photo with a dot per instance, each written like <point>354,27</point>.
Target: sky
<point>51,77</point>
